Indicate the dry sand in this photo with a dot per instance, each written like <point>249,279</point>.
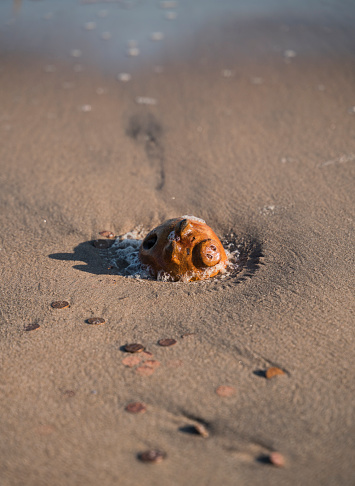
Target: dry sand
<point>248,136</point>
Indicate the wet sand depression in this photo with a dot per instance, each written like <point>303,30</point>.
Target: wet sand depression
<point>245,119</point>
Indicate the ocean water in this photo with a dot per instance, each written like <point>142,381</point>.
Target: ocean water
<point>120,35</point>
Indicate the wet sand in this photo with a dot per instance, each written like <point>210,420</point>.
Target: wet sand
<point>247,121</point>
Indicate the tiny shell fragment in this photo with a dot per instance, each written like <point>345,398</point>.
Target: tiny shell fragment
<point>277,459</point>
<point>271,372</point>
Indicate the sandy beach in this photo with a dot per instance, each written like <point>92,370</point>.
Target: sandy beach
<point>117,116</point>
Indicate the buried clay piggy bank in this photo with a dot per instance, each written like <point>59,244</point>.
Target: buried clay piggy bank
<point>183,249</point>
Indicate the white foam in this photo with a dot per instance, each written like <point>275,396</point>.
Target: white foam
<point>193,218</point>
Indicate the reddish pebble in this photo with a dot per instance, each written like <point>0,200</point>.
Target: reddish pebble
<point>69,393</point>
<point>136,407</point>
<point>276,459</point>
<point>107,234</point>
<point>153,456</point>
<point>274,371</point>
<point>226,391</point>
<point>167,342</point>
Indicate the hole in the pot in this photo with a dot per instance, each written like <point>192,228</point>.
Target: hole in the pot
<point>149,242</point>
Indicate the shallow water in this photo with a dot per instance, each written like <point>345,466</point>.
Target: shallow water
<point>121,35</point>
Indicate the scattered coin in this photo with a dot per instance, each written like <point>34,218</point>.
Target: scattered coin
<point>101,244</point>
<point>167,342</point>
<point>32,327</point>
<point>136,407</point>
<point>271,372</point>
<point>60,304</point>
<point>134,348</point>
<point>226,391</point>
<point>96,320</point>
<point>132,360</point>
<point>107,234</point>
<point>276,459</point>
<point>153,456</point>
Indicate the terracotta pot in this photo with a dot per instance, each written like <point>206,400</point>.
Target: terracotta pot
<point>183,249</point>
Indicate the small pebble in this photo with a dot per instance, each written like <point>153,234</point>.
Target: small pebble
<point>60,304</point>
<point>32,327</point>
<point>136,407</point>
<point>226,391</point>
<point>107,234</point>
<point>134,348</point>
<point>85,108</point>
<point>274,371</point>
<point>153,456</point>
<point>96,320</point>
<point>68,393</point>
<point>167,342</point>
<point>276,459</point>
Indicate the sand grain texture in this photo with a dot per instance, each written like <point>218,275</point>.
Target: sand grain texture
<point>271,160</point>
